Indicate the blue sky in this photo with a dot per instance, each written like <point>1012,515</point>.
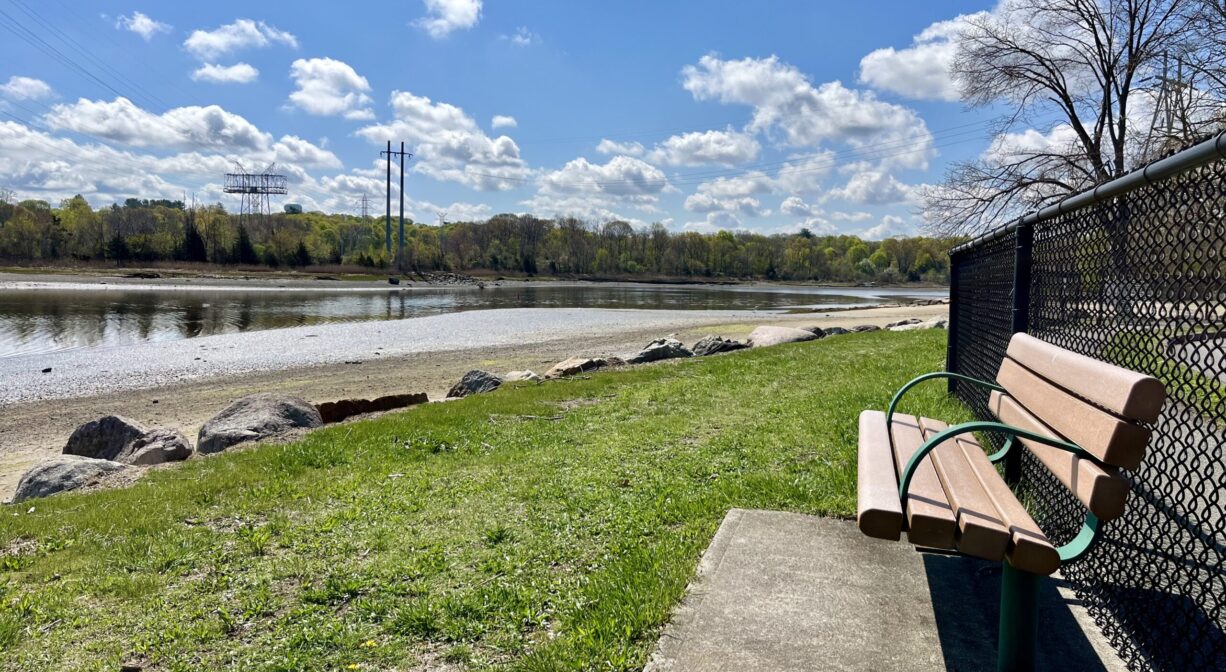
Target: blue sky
<point>766,116</point>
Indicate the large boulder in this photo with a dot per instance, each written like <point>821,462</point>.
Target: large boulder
<point>121,439</point>
<point>157,446</point>
<point>836,331</point>
<point>936,323</point>
<point>577,365</point>
<point>863,328</point>
<point>63,473</point>
<point>475,382</point>
<point>105,438</point>
<point>766,336</point>
<point>661,348</point>
<point>904,323</point>
<point>255,417</point>
<point>816,331</point>
<point>516,376</point>
<point>712,344</point>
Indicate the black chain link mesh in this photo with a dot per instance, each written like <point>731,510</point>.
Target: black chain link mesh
<point>1139,281</point>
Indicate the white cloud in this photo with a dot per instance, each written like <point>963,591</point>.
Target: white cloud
<point>141,25</point>
<point>503,121</point>
<point>797,207</point>
<point>891,226</point>
<point>443,17</point>
<point>805,175</point>
<point>726,148</point>
<point>293,149</point>
<point>715,221</point>
<point>458,212</point>
<point>607,146</point>
<point>859,216</point>
<point>449,145</point>
<point>25,88</point>
<point>122,121</point>
<point>784,101</point>
<point>622,176</point>
<point>739,186</point>
<point>328,87</point>
<point>209,45</point>
<point>1010,147</point>
<point>873,187</point>
<point>921,71</point>
<point>239,73</point>
<point>523,37</point>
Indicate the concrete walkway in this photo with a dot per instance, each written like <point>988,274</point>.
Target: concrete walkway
<point>783,592</point>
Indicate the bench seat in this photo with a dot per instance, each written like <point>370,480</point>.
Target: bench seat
<point>957,499</point>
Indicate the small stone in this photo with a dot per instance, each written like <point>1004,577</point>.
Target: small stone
<point>47,370</point>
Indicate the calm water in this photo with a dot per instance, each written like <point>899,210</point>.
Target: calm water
<point>47,320</point>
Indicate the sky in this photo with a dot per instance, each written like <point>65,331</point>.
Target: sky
<point>765,116</point>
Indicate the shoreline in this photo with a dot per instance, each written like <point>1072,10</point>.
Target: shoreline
<point>37,425</point>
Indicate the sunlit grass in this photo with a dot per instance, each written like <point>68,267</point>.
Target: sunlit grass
<point>539,527</point>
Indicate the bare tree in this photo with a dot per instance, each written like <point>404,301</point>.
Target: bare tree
<point>1080,81</point>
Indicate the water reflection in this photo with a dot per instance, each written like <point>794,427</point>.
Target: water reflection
<point>46,320</point>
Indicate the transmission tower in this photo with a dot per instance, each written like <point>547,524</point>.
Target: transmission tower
<point>364,204</point>
<point>255,190</point>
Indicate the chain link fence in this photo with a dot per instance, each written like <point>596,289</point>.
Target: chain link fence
<point>1133,274</point>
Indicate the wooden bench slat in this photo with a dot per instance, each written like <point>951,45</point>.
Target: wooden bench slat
<point>1106,436</point>
<point>1101,489</point>
<point>930,518</point>
<point>1132,395</point>
<point>878,509</point>
<point>981,530</point>
<point>1029,548</point>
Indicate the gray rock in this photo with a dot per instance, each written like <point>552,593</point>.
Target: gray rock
<point>836,331</point>
<point>903,323</point>
<point>711,345</point>
<point>936,323</point>
<point>661,348</point>
<point>61,474</point>
<point>475,382</point>
<point>106,438</point>
<point>907,327</point>
<point>254,417</point>
<point>816,331</point>
<point>577,365</point>
<point>865,327</point>
<point>516,376</point>
<point>766,336</point>
<point>158,446</point>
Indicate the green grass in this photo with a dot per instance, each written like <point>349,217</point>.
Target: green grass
<point>539,527</point>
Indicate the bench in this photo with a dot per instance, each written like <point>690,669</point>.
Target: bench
<point>1081,418</point>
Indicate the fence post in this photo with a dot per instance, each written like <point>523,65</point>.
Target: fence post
<point>951,333</point>
<point>1021,317</point>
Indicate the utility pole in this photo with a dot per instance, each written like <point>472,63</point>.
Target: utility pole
<point>388,221</point>
<point>389,154</point>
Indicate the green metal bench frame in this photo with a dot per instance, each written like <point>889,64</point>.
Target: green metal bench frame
<point>1018,588</point>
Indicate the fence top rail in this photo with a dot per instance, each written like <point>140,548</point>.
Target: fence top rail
<point>1195,156</point>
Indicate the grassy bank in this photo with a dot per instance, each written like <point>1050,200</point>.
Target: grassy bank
<point>539,527</point>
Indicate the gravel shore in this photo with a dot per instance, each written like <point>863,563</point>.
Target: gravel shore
<point>179,384</point>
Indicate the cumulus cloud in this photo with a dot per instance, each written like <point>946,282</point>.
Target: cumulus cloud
<point>209,45</point>
<point>444,17</point>
<point>921,71</point>
<point>328,87</point>
<point>523,37</point>
<point>891,226</point>
<point>738,186</point>
<point>873,187</point>
<point>607,146</point>
<point>449,145</point>
<point>141,25</point>
<point>784,101</point>
<point>239,73</point>
<point>503,121</point>
<point>715,221</point>
<point>25,88</point>
<point>123,121</point>
<point>293,149</point>
<point>622,176</point>
<point>795,206</point>
<point>805,175</point>
<point>726,147</point>
<point>858,216</point>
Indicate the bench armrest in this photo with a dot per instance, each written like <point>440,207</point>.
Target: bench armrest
<point>889,414</point>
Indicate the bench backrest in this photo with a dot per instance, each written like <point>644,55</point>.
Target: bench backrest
<point>1099,406</point>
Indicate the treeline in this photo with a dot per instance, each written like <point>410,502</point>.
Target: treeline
<point>161,230</point>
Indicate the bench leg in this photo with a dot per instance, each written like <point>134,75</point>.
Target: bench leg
<point>1019,593</point>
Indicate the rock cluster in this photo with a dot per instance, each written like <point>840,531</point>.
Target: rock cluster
<point>713,345</point>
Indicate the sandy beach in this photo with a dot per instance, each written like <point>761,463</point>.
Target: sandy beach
<point>182,383</point>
